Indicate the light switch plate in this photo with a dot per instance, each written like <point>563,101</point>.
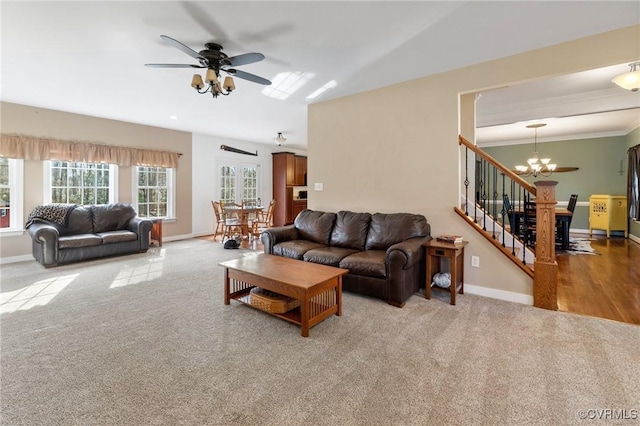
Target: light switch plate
<point>318,186</point>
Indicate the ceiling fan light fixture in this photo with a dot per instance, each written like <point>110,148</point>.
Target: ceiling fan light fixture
<point>229,86</point>
<point>629,80</point>
<point>211,76</point>
<point>215,61</point>
<point>196,82</point>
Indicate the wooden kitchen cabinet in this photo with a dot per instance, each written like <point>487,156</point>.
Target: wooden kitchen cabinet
<point>298,206</point>
<point>288,171</point>
<point>300,170</point>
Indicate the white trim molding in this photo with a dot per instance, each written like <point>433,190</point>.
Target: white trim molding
<point>494,293</point>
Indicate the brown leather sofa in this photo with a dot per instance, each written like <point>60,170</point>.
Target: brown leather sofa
<point>69,233</point>
<point>383,252</point>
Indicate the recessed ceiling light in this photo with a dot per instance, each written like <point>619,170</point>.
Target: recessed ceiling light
<point>173,117</point>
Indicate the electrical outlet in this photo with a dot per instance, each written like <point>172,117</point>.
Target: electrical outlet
<point>475,261</point>
<point>318,186</point>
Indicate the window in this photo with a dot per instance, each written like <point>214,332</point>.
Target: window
<point>238,182</point>
<point>80,183</point>
<point>250,183</point>
<point>11,194</point>
<point>155,187</point>
<point>228,184</point>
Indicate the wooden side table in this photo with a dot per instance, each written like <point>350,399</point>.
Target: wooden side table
<point>156,231</point>
<point>438,251</point>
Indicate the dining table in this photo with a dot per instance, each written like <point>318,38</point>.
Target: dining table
<point>243,213</point>
<point>563,219</point>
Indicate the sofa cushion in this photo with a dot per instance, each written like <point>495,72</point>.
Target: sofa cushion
<point>79,222</point>
<point>315,226</point>
<point>111,217</point>
<point>350,230</point>
<point>369,263</point>
<point>386,230</point>
<point>328,255</point>
<point>117,236</point>
<point>79,240</point>
<point>295,249</point>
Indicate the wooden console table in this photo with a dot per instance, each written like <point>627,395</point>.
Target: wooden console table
<point>438,251</point>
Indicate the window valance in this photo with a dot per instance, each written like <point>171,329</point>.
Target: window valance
<point>38,148</point>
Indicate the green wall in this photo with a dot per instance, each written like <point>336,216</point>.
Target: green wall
<point>598,162</point>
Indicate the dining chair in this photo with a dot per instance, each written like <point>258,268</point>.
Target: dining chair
<point>560,235</point>
<point>250,205</point>
<point>573,200</point>
<point>264,219</point>
<point>217,211</point>
<point>232,214</point>
<point>530,222</point>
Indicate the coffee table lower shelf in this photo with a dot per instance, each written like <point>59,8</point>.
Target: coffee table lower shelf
<point>318,312</point>
<point>294,315</point>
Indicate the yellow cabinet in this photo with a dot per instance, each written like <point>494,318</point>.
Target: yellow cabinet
<point>608,212</point>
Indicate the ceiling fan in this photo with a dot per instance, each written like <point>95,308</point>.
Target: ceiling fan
<point>215,60</point>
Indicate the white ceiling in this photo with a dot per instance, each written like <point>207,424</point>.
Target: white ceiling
<point>88,57</point>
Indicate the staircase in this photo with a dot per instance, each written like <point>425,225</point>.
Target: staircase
<point>487,187</point>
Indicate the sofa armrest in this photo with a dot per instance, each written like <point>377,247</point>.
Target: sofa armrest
<point>406,254</point>
<point>273,236</point>
<point>45,243</point>
<point>142,227</point>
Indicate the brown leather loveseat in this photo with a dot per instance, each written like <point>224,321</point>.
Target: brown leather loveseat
<point>383,252</point>
<point>63,233</point>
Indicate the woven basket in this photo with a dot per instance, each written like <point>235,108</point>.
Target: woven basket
<point>272,302</point>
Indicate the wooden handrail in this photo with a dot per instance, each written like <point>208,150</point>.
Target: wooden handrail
<point>510,174</point>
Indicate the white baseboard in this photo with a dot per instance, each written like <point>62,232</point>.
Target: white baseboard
<point>600,232</point>
<point>634,238</point>
<point>16,259</point>
<point>181,237</point>
<point>493,293</point>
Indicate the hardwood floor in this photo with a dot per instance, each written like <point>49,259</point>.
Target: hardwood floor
<point>605,285</point>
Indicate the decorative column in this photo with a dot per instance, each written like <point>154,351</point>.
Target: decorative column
<point>545,267</point>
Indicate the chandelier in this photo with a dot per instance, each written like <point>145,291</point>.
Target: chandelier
<point>536,166</point>
<point>213,84</point>
<point>629,80</point>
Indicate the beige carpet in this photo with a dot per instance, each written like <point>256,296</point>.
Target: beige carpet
<point>146,340</point>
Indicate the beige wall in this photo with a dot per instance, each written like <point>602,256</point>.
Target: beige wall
<point>395,149</point>
<point>61,125</point>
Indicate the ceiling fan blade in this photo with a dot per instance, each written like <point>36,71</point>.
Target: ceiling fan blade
<point>248,76</point>
<point>186,49</point>
<point>174,66</point>
<point>244,59</point>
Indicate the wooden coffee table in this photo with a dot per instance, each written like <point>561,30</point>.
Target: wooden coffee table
<point>317,287</point>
